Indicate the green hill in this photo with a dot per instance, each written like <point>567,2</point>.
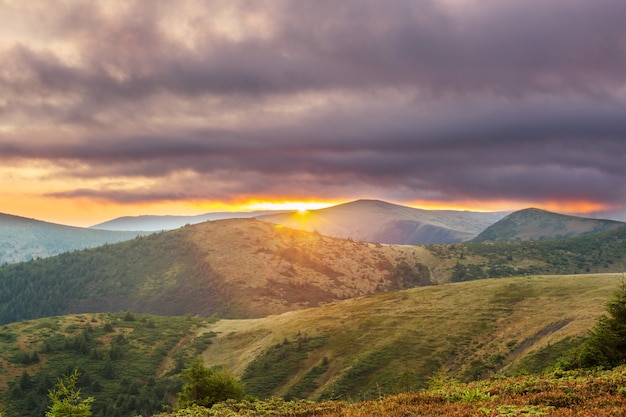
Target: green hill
<point>231,268</point>
<point>536,224</point>
<point>246,268</point>
<point>23,239</point>
<point>354,349</point>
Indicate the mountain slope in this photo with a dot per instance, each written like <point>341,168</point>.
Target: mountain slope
<point>159,223</point>
<point>382,222</point>
<point>352,349</point>
<point>22,239</point>
<point>233,268</point>
<point>536,224</point>
<point>394,341</point>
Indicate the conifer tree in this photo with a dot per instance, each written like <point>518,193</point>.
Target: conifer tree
<point>66,400</point>
<point>606,344</point>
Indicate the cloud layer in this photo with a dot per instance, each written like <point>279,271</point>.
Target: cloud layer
<point>404,100</point>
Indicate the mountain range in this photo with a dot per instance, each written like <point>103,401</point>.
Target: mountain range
<point>363,220</point>
<point>383,222</point>
<point>366,220</point>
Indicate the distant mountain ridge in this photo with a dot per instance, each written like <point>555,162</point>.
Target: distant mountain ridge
<point>22,239</point>
<point>365,220</point>
<point>383,222</point>
<point>159,223</point>
<point>537,224</point>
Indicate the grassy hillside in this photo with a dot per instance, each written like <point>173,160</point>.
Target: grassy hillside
<point>382,222</point>
<point>231,268</point>
<point>23,239</point>
<point>247,268</point>
<point>394,342</point>
<point>535,224</point>
<point>355,349</point>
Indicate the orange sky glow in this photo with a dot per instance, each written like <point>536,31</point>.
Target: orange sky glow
<point>87,212</point>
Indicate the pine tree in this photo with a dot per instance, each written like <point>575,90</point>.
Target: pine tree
<point>606,344</point>
<point>66,400</point>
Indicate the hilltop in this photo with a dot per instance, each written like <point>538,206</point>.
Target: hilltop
<point>360,348</point>
<point>536,224</point>
<point>23,239</point>
<point>383,222</point>
<point>232,268</point>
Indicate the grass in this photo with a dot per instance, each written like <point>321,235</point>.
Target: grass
<point>390,342</point>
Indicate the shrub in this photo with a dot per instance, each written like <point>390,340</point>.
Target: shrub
<point>205,387</point>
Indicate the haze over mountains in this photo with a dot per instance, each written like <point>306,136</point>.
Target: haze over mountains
<point>366,220</point>
<point>22,239</point>
<point>383,222</point>
<point>158,223</point>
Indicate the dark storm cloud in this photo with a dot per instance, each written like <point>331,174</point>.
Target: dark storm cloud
<point>514,48</point>
<point>522,100</point>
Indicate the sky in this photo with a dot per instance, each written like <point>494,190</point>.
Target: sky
<point>115,108</point>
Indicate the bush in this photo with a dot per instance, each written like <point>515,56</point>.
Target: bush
<point>205,387</point>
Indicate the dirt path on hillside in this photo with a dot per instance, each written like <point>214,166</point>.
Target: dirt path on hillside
<point>531,341</point>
